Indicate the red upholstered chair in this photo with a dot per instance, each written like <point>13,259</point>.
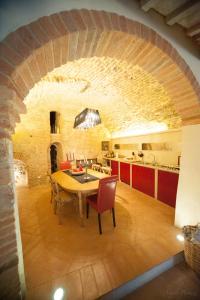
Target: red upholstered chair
<point>65,165</point>
<point>105,199</point>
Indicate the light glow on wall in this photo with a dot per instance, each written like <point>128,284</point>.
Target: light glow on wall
<point>20,173</point>
<point>140,129</point>
<point>180,237</point>
<point>58,294</point>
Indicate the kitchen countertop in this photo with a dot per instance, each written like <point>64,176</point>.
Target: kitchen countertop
<point>145,164</point>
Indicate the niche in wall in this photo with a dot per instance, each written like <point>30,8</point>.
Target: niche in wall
<point>54,122</point>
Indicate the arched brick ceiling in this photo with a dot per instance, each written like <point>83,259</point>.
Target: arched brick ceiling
<point>125,95</point>
<point>27,54</point>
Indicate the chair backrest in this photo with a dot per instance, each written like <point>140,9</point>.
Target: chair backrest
<point>65,165</point>
<point>106,170</point>
<point>55,189</point>
<point>96,167</point>
<point>106,193</point>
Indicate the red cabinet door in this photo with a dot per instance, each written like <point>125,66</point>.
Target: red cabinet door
<point>125,172</point>
<point>167,187</point>
<point>143,179</point>
<point>115,167</point>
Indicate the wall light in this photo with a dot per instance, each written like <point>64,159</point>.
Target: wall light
<point>140,129</point>
<point>58,294</point>
<point>180,237</point>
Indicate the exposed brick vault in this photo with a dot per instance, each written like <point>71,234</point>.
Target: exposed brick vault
<point>32,51</point>
<point>27,54</point>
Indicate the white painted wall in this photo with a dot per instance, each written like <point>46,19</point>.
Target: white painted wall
<point>15,13</point>
<point>188,196</point>
<point>172,138</point>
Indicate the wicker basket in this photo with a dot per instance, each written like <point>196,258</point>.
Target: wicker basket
<point>192,247</point>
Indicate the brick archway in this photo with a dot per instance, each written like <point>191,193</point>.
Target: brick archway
<point>30,52</point>
<point>27,54</point>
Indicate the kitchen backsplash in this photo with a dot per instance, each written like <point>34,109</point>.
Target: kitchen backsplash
<point>167,145</point>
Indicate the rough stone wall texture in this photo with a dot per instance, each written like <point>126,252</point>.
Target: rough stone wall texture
<point>124,93</point>
<point>32,138</point>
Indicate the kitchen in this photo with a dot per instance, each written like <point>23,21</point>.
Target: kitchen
<point>58,61</point>
<point>154,169</point>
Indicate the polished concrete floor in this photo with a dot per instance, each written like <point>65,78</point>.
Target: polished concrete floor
<point>81,261</point>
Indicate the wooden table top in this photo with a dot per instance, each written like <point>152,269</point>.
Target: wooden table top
<point>70,184</point>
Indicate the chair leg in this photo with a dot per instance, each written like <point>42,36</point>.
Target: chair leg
<point>59,213</point>
<point>74,202</point>
<point>99,219</point>
<point>113,214</point>
<point>87,210</point>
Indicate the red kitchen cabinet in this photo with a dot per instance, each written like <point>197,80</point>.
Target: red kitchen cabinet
<point>143,179</point>
<point>125,172</point>
<point>115,167</point>
<point>167,187</point>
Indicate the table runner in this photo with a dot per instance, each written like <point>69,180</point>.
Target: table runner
<point>80,178</point>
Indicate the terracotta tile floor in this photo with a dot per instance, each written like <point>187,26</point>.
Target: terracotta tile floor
<point>84,263</point>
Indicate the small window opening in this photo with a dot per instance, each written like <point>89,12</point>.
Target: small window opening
<point>54,122</point>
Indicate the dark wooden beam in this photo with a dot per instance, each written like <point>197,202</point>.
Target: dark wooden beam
<point>182,11</point>
<point>147,4</point>
<point>193,30</point>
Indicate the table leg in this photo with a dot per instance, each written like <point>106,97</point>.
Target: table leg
<point>80,200</point>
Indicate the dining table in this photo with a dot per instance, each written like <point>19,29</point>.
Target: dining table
<point>70,184</point>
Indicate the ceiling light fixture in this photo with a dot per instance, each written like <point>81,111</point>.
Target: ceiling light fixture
<point>87,118</point>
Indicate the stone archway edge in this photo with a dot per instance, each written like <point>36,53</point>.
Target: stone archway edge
<point>27,54</point>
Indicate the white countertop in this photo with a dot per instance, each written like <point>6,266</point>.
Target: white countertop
<point>146,165</point>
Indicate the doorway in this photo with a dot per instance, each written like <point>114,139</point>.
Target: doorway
<point>53,156</point>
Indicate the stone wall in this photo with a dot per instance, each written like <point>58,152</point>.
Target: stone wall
<point>32,138</point>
